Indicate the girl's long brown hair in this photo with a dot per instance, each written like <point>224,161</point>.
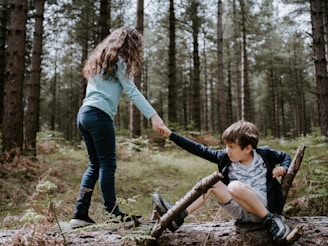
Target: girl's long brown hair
<point>124,42</point>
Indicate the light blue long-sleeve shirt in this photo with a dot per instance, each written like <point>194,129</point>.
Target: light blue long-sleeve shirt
<point>105,93</point>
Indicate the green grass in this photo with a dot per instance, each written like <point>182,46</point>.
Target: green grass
<point>143,169</point>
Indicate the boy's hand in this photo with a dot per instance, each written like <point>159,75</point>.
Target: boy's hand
<point>278,171</point>
<point>164,131</point>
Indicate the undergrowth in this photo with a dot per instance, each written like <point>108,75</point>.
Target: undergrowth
<point>143,169</point>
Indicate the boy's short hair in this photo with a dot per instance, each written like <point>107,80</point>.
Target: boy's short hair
<point>242,133</point>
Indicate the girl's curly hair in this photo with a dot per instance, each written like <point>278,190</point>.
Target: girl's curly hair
<point>125,42</point>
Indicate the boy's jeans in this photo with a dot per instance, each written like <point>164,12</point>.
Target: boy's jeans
<point>97,129</point>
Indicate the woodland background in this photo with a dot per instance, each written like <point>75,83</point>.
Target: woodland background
<point>206,64</point>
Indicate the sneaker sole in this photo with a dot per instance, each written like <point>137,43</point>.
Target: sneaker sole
<point>282,239</point>
<point>158,205</point>
<point>75,223</point>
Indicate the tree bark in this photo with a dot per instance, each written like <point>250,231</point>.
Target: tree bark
<point>135,115</point>
<point>236,46</point>
<point>245,95</point>
<point>13,114</point>
<point>221,92</point>
<point>195,85</point>
<point>104,20</point>
<point>4,14</point>
<point>172,91</point>
<point>320,63</point>
<point>287,180</point>
<point>33,108</point>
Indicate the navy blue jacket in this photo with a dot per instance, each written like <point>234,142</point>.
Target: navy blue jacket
<point>270,157</point>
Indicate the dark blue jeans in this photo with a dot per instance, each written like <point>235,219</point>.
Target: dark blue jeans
<point>97,129</point>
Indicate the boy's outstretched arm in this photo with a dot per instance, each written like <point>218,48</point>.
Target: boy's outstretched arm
<point>190,145</point>
<point>164,131</point>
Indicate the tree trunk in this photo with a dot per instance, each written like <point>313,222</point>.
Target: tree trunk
<point>273,101</point>
<point>4,11</point>
<point>205,105</point>
<point>213,116</point>
<point>320,63</point>
<point>245,96</point>
<point>237,58</point>
<point>325,27</point>
<point>53,92</point>
<point>172,107</point>
<point>13,114</point>
<point>144,87</point>
<point>221,92</point>
<point>229,111</point>
<point>33,96</point>
<point>104,21</point>
<point>135,115</point>
<point>195,86</point>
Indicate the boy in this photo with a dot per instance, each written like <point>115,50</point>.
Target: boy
<point>249,191</point>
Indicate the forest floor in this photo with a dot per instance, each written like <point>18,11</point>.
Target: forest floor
<point>35,194</point>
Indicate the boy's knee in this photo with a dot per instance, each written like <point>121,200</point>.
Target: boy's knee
<point>236,188</point>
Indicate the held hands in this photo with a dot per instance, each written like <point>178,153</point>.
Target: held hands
<point>164,131</point>
<point>159,127</point>
<point>278,171</point>
<point>156,121</point>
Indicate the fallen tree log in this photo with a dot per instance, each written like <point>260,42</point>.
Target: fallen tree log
<point>197,234</point>
<point>315,232</point>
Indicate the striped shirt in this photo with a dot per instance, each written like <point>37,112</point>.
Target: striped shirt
<point>253,175</point>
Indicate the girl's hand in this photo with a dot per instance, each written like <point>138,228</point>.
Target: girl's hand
<point>156,121</point>
<point>278,172</point>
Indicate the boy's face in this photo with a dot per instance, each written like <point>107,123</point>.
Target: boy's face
<point>236,154</point>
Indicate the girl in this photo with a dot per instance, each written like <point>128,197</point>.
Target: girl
<point>109,70</point>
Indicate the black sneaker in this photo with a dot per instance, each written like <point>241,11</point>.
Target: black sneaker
<point>162,206</point>
<point>81,221</point>
<point>275,224</point>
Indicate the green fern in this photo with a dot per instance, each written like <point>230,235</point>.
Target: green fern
<point>138,238</point>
